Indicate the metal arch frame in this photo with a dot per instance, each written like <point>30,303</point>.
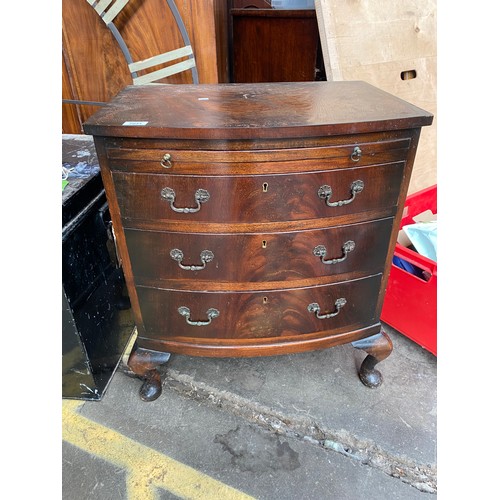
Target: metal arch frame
<point>100,7</point>
<point>184,34</point>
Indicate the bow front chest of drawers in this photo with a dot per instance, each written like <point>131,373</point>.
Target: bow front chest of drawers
<point>256,219</point>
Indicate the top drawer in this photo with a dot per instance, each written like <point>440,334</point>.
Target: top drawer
<point>258,198</point>
<point>150,156</point>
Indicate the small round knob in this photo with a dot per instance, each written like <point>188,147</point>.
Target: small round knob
<point>356,154</point>
<point>166,161</point>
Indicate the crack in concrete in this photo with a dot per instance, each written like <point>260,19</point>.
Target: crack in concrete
<point>421,476</point>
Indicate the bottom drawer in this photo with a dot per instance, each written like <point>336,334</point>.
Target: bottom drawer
<point>287,314</point>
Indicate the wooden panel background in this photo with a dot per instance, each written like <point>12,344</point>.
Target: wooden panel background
<point>293,36</point>
<point>94,68</point>
<point>70,113</point>
<point>376,41</point>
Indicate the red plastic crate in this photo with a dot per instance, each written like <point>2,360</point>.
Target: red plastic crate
<point>410,304</point>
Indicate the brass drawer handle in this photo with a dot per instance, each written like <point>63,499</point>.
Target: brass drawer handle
<point>356,154</point>
<point>320,251</point>
<point>325,192</point>
<point>205,256</point>
<point>211,313</point>
<point>314,308</point>
<point>166,161</point>
<point>201,196</point>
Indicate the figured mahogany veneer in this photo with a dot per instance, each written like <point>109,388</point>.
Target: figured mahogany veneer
<point>244,258</point>
<point>260,314</point>
<point>256,219</point>
<point>265,198</point>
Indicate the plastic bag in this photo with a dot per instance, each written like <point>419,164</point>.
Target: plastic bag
<point>423,236</point>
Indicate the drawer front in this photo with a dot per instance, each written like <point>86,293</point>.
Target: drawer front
<point>289,313</point>
<point>260,198</point>
<point>158,256</point>
<point>351,153</point>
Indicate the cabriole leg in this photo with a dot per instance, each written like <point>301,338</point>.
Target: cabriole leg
<point>378,347</point>
<point>144,364</point>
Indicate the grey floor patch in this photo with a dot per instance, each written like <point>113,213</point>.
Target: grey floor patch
<point>184,429</point>
<point>85,476</point>
<point>166,495</point>
<point>255,451</point>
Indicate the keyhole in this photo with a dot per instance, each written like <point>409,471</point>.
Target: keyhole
<point>264,300</point>
<point>264,187</point>
<point>264,243</point>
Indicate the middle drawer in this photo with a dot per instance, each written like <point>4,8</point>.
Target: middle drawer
<point>259,257</point>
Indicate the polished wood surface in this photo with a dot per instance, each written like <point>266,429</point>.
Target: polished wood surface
<point>251,111</point>
<point>144,364</point>
<point>269,198</point>
<point>262,314</point>
<point>70,113</point>
<point>97,66</point>
<point>222,41</point>
<point>271,45</point>
<point>125,157</point>
<point>255,258</point>
<point>93,59</point>
<point>197,148</point>
<point>272,346</point>
<point>265,287</point>
<point>378,347</point>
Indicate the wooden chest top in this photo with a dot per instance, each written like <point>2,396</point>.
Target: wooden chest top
<point>240,111</point>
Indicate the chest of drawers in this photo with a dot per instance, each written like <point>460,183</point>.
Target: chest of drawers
<point>256,219</point>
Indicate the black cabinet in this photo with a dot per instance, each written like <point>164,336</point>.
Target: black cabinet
<point>97,319</point>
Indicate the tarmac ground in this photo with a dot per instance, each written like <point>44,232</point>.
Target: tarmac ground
<point>290,427</point>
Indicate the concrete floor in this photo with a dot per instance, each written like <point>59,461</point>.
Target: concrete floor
<point>287,427</point>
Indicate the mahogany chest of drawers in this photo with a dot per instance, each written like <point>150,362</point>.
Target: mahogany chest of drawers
<point>256,219</point>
